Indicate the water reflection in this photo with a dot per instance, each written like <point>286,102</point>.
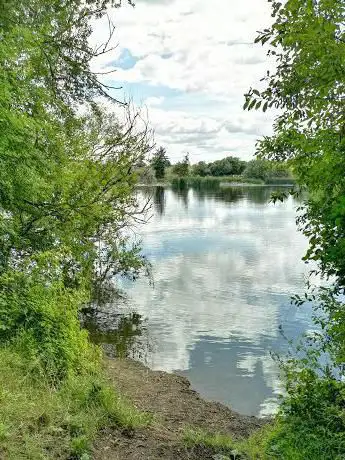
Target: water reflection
<point>225,263</point>
<point>159,200</point>
<point>181,192</point>
<point>121,332</point>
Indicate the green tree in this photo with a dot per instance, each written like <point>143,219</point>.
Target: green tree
<point>67,178</point>
<point>159,162</point>
<point>181,169</point>
<point>201,169</point>
<point>227,167</point>
<point>260,168</point>
<point>307,40</point>
<point>257,169</point>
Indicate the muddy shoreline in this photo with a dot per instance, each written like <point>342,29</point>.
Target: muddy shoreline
<point>175,407</point>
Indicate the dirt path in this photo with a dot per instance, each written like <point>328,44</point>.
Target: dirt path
<point>175,406</point>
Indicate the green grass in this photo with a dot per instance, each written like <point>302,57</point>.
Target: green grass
<point>194,437</point>
<point>196,181</point>
<point>256,447</point>
<point>280,181</point>
<point>41,422</point>
<point>277,441</point>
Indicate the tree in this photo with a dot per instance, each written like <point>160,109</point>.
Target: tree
<point>309,85</point>
<point>181,168</point>
<point>257,169</point>
<point>260,168</point>
<point>201,169</point>
<point>67,178</point>
<point>227,166</point>
<point>159,162</point>
<point>307,40</point>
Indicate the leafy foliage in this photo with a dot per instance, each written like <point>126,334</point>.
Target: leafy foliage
<point>227,166</point>
<point>307,40</point>
<point>201,169</point>
<point>258,169</point>
<point>67,176</point>
<point>266,170</point>
<point>233,166</point>
<point>181,169</point>
<point>159,162</point>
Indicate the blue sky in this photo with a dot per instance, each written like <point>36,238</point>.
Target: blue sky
<point>189,62</point>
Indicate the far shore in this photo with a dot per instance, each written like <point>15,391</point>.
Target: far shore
<point>221,184</point>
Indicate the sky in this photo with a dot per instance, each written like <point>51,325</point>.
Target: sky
<point>189,63</point>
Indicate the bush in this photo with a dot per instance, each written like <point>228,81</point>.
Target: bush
<point>312,414</point>
<point>269,171</point>
<point>41,320</point>
<point>311,420</point>
<point>227,166</point>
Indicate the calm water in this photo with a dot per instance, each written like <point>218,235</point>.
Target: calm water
<point>225,263</point>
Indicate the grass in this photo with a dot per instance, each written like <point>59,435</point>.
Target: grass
<point>256,447</point>
<point>280,181</point>
<point>193,437</point>
<point>196,181</point>
<point>276,441</point>
<point>41,422</point>
<point>216,181</point>
<point>229,179</point>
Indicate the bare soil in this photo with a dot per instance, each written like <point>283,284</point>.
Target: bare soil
<point>175,407</point>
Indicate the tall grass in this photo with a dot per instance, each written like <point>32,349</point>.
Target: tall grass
<point>289,437</point>
<point>280,181</point>
<point>256,447</point>
<point>38,421</point>
<point>211,181</point>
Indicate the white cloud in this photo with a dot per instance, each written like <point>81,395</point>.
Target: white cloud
<point>153,101</point>
<point>206,137</point>
<point>201,49</point>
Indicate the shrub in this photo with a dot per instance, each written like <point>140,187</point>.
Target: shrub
<point>312,420</point>
<point>41,320</point>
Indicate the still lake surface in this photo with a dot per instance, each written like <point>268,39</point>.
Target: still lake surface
<point>225,262</point>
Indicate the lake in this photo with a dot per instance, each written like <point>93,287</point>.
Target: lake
<point>225,262</point>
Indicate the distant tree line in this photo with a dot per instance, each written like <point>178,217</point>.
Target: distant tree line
<point>226,167</point>
<point>229,166</point>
